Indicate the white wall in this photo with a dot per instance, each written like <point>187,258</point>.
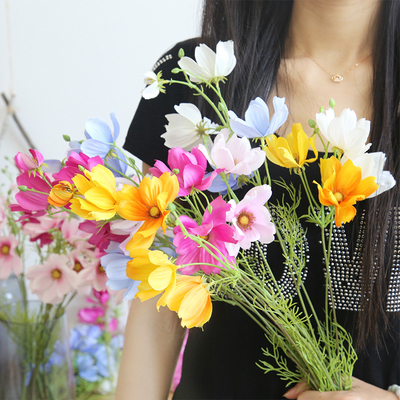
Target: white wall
<point>72,60</point>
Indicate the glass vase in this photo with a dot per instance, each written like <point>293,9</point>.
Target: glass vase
<point>35,359</point>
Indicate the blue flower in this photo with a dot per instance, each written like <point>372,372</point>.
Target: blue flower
<point>84,337</point>
<point>257,122</point>
<point>114,264</point>
<point>100,140</point>
<point>87,369</point>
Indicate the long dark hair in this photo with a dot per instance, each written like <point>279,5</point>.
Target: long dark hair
<point>259,30</point>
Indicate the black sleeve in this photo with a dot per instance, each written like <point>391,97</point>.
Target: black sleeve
<point>143,139</point>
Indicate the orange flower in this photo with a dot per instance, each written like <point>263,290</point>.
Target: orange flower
<point>191,300</point>
<point>155,272</point>
<point>61,194</point>
<point>147,203</point>
<point>343,187</point>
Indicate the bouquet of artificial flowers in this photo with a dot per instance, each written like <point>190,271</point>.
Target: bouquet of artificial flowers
<point>193,248</point>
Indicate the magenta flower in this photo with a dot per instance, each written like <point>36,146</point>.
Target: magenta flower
<point>52,280</point>
<point>214,229</point>
<point>191,167</point>
<point>27,163</point>
<point>251,219</point>
<point>73,163</point>
<point>32,201</point>
<point>9,259</point>
<point>91,315</point>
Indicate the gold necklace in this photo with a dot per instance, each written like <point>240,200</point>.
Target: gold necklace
<point>337,78</point>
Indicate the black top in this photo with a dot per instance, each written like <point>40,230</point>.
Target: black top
<point>219,362</point>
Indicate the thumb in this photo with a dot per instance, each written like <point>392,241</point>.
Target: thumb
<point>293,392</point>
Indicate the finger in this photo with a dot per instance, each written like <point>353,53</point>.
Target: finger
<point>296,390</point>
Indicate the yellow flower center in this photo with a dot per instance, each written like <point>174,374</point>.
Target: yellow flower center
<point>204,237</point>
<point>101,270</point>
<point>245,220</point>
<point>155,212</point>
<point>339,197</point>
<point>78,266</point>
<point>56,274</point>
<point>5,249</point>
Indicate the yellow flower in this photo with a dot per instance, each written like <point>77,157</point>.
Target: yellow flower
<point>343,187</point>
<point>191,300</point>
<point>155,272</point>
<point>292,151</point>
<point>147,203</point>
<point>97,200</point>
<point>61,194</point>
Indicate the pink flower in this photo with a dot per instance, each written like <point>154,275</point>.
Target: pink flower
<point>93,273</point>
<point>214,229</point>
<point>91,315</point>
<point>191,166</point>
<point>40,228</point>
<point>32,201</point>
<point>251,219</point>
<point>26,163</point>
<point>9,259</point>
<point>52,280</point>
<point>73,163</point>
<point>3,217</point>
<point>233,155</point>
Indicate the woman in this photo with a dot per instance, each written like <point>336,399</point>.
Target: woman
<point>306,51</point>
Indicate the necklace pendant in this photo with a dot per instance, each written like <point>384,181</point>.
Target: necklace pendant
<point>337,78</point>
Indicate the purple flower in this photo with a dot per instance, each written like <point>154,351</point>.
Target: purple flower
<point>257,122</point>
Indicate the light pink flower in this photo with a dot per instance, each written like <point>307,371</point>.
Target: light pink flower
<point>190,169</point>
<point>233,155</point>
<point>9,260</point>
<point>52,280</point>
<point>27,163</point>
<point>214,229</point>
<point>93,273</point>
<point>251,219</point>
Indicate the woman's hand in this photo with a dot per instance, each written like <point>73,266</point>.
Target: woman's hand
<point>360,391</point>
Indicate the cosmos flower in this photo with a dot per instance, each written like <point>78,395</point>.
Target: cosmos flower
<point>210,66</point>
<point>61,194</point>
<point>191,299</point>
<point>52,280</point>
<point>342,187</point>
<point>214,230</point>
<point>154,85</point>
<point>10,261</point>
<point>191,170</point>
<point>292,151</point>
<point>345,133</point>
<point>187,127</point>
<point>251,218</point>
<point>257,122</point>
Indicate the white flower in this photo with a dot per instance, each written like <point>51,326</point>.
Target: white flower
<point>154,85</point>
<point>209,65</point>
<point>186,128</point>
<point>345,132</point>
<point>372,164</point>
<point>233,155</point>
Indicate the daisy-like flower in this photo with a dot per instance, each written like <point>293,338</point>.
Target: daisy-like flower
<point>342,187</point>
<point>191,169</point>
<point>96,194</point>
<point>9,259</point>
<point>372,165</point>
<point>154,85</point>
<point>155,272</point>
<point>92,272</point>
<point>52,280</point>
<point>292,151</point>
<point>257,122</point>
<point>148,203</point>
<point>345,133</point>
<point>214,230</point>
<point>233,155</point>
<point>187,127</point>
<point>27,163</point>
<point>210,66</point>
<point>251,218</point>
<point>191,299</point>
